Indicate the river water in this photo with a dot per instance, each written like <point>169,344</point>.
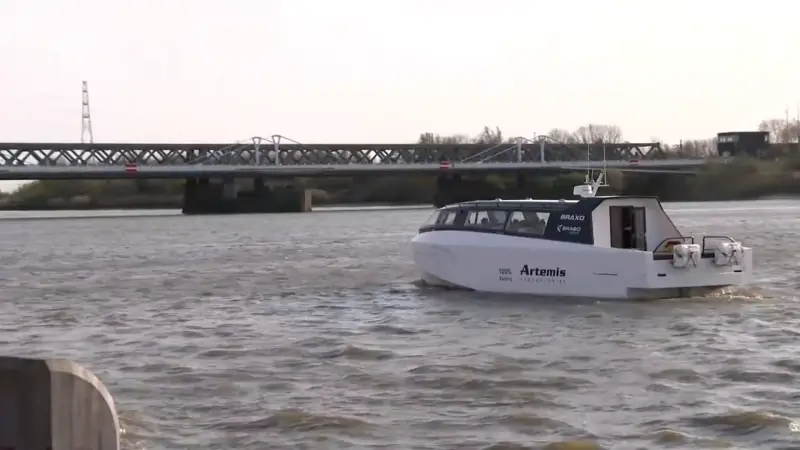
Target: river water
<point>309,331</point>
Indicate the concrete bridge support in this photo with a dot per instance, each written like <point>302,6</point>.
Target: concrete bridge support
<point>229,190</point>
<point>201,196</point>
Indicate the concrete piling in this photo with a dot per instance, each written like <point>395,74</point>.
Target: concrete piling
<point>49,404</point>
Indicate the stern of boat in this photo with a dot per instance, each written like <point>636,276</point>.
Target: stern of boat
<point>682,268</point>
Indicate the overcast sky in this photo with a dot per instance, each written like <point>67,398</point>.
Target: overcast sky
<point>386,70</point>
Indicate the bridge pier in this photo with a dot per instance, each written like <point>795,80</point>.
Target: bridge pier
<point>201,196</point>
<point>229,189</point>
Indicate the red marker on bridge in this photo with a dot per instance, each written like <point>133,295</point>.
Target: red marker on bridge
<point>634,162</point>
<point>131,168</point>
<point>445,165</point>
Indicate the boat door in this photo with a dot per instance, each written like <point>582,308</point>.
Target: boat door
<point>628,227</point>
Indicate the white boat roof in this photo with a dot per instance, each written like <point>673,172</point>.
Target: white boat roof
<point>506,203</point>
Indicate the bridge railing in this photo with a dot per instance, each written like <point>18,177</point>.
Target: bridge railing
<point>489,153</point>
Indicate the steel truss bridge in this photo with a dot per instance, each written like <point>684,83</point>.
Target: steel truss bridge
<point>281,156</point>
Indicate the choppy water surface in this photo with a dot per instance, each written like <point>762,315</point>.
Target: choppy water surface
<point>309,331</point>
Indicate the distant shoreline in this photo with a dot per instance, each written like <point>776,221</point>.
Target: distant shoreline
<point>742,180</point>
<point>62,214</point>
<point>156,207</point>
<point>123,207</point>
<point>155,210</point>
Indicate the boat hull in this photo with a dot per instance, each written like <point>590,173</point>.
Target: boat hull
<point>501,263</point>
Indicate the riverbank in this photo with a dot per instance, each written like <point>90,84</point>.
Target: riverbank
<point>741,180</point>
<point>175,205</point>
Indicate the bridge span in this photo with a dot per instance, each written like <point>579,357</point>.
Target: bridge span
<point>31,172</point>
<point>281,151</point>
<point>262,159</point>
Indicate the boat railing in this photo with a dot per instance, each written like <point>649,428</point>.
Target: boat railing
<point>714,240</point>
<point>665,247</point>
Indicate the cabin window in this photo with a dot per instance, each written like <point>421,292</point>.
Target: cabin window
<point>497,219</point>
<point>444,217</point>
<point>529,223</point>
<point>486,219</point>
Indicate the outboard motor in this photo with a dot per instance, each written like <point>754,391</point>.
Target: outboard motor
<point>683,254</point>
<point>726,253</point>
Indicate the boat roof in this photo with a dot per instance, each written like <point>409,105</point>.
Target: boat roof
<point>542,204</point>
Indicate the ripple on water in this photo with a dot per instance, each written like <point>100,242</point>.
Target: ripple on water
<point>277,332</point>
<point>762,428</point>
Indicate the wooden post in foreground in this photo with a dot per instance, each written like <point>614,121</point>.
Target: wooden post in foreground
<point>54,405</point>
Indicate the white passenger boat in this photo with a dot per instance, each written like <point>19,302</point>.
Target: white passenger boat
<point>594,247</point>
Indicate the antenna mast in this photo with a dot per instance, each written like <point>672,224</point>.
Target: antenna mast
<point>589,174</point>
<point>86,116</point>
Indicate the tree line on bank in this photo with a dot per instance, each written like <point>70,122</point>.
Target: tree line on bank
<point>781,131</point>
<point>742,180</point>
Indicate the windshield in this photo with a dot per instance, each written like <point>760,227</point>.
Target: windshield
<point>441,217</point>
<point>431,220</point>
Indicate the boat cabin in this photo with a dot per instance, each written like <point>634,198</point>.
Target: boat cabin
<point>638,223</point>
